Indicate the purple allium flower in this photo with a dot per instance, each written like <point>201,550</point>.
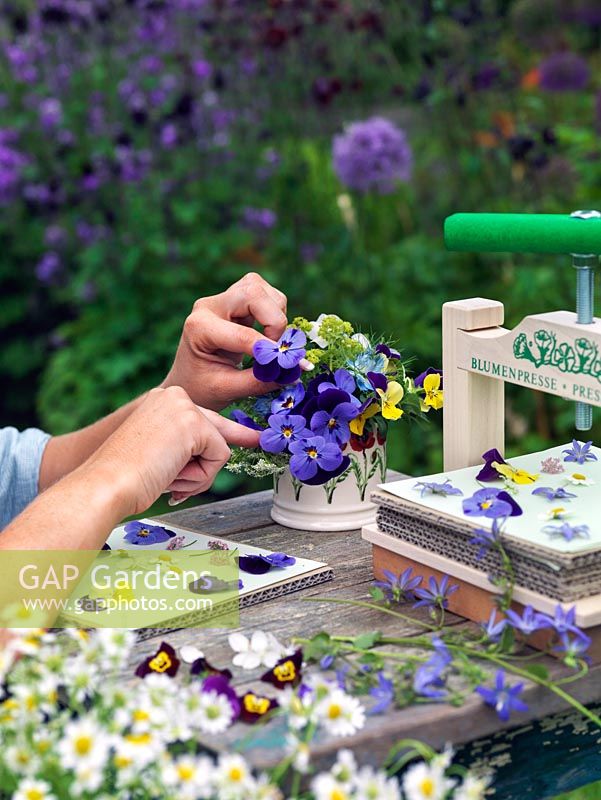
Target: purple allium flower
<point>289,399</point>
<point>399,587</point>
<point>579,453</point>
<point>51,113</point>
<point>282,431</point>
<point>383,694</point>
<point>485,539</point>
<point>567,531</point>
<point>259,219</point>
<point>334,425</point>
<point>573,647</point>
<point>488,472</point>
<point>530,621</point>
<point>493,628</point>
<point>419,380</point>
<point>564,72</point>
<point>437,596</point>
<point>243,419</point>
<point>141,533</point>
<point>279,361</point>
<point>491,503</point>
<point>311,454</point>
<point>503,698</point>
<point>554,494</point>
<point>344,381</point>
<point>372,155</point>
<point>445,489</point>
<point>48,267</point>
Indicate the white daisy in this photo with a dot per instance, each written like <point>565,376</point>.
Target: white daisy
<point>80,679</point>
<point>232,777</point>
<point>190,776</point>
<point>299,710</point>
<point>474,787</point>
<point>261,649</point>
<point>345,768</point>
<point>341,714</point>
<point>300,753</point>
<point>373,785</point>
<point>88,777</point>
<point>326,787</point>
<point>555,513</point>
<point>579,479</point>
<point>20,760</point>
<point>214,713</point>
<point>84,743</point>
<point>424,782</point>
<point>30,789</point>
<point>264,790</point>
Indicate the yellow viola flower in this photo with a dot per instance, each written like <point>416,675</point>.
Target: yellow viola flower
<point>513,474</point>
<point>390,399</point>
<point>357,425</point>
<point>434,395</point>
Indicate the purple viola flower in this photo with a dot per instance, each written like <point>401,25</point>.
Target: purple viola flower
<point>493,628</point>
<point>530,621</point>
<point>220,684</point>
<point>573,647</point>
<point>280,560</point>
<point>313,453</point>
<point>378,380</point>
<point>567,531</point>
<point>491,503</point>
<point>503,698</point>
<point>488,472</point>
<point>419,381</point>
<point>260,564</point>
<point>383,694</point>
<point>243,419</point>
<point>334,425</point>
<point>391,354</point>
<point>278,362</point>
<point>437,595</point>
<point>554,494</point>
<point>282,431</point>
<point>141,533</point>
<point>431,487</point>
<point>373,155</point>
<point>485,539</point>
<point>399,587</point>
<point>289,399</point>
<point>579,453</point>
<point>344,381</point>
<point>564,72</point>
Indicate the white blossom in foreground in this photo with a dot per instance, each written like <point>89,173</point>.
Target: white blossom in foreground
<point>83,743</point>
<point>189,777</point>
<point>340,713</point>
<point>473,787</point>
<point>426,782</point>
<point>30,789</point>
<point>214,713</point>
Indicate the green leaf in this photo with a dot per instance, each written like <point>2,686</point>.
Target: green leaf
<point>367,640</point>
<point>538,671</point>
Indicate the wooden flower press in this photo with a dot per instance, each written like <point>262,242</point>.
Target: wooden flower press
<point>557,352</point>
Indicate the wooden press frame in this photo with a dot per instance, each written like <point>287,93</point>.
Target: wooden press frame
<point>549,352</point>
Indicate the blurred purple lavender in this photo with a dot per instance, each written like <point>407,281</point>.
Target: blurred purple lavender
<point>564,72</point>
<point>373,155</point>
<point>259,219</point>
<point>48,267</point>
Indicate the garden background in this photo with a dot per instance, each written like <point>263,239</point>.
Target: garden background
<point>153,151</point>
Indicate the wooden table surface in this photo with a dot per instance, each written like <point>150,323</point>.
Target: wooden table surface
<point>538,754</point>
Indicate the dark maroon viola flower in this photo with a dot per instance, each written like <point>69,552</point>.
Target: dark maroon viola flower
<point>219,684</point>
<point>287,672</point>
<point>488,472</point>
<point>363,442</point>
<point>163,662</point>
<point>254,707</point>
<point>564,72</point>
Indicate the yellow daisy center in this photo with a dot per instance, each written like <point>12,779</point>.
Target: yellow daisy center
<point>334,711</point>
<point>578,476</point>
<point>82,745</point>
<point>34,794</point>
<point>427,787</point>
<point>185,772</point>
<point>140,715</point>
<point>235,774</point>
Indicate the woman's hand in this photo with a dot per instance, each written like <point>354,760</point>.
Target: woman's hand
<point>218,333</point>
<point>169,443</point>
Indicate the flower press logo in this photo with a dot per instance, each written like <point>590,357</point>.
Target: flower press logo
<point>121,589</point>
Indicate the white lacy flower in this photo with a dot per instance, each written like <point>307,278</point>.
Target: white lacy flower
<point>326,787</point>
<point>579,479</point>
<point>84,743</point>
<point>190,776</point>
<point>474,787</point>
<point>33,790</point>
<point>341,714</point>
<point>232,777</point>
<point>261,649</point>
<point>424,782</point>
<point>214,713</point>
<point>373,785</point>
<point>555,513</point>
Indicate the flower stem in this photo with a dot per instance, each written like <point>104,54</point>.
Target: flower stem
<point>374,606</point>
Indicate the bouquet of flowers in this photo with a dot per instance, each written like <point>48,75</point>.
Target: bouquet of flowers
<point>340,389</point>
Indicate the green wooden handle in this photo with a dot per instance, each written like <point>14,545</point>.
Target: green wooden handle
<point>523,233</point>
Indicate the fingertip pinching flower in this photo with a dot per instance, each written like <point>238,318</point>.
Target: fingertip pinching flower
<point>279,362</point>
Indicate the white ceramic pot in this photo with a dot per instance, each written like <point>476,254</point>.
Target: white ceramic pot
<point>342,504</point>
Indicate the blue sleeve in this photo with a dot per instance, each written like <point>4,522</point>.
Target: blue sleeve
<point>20,459</point>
